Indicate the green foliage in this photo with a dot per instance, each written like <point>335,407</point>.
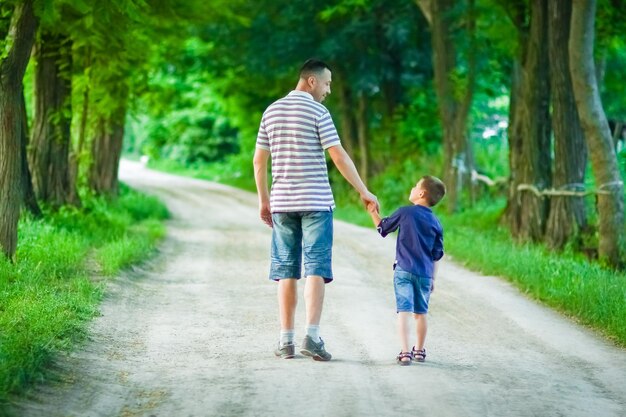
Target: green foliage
<point>179,117</point>
<point>47,296</point>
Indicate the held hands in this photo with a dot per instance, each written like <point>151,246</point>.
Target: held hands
<point>372,208</point>
<point>368,200</point>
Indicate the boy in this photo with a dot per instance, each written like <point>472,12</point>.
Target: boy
<point>418,247</point>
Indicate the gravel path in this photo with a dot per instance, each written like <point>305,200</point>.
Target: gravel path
<point>192,334</point>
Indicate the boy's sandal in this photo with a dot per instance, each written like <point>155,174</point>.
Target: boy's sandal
<point>404,355</point>
<point>418,355</point>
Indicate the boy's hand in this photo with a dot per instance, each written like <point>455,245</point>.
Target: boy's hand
<point>372,208</point>
<point>432,285</point>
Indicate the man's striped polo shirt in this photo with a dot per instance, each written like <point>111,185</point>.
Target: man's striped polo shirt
<point>296,130</point>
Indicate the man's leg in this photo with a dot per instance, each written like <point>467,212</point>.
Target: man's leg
<point>314,299</point>
<point>317,232</point>
<point>287,301</point>
<point>285,267</point>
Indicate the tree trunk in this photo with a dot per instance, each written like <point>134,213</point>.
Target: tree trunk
<point>28,193</point>
<point>533,125</point>
<point>106,152</point>
<point>596,129</point>
<point>517,12</point>
<point>514,133</point>
<point>347,118</point>
<point>363,137</point>
<point>50,144</point>
<point>454,99</point>
<point>567,214</point>
<point>12,66</point>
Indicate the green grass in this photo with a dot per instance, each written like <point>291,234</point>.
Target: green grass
<point>48,295</point>
<point>585,291</point>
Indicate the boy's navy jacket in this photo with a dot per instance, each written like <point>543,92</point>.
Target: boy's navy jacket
<point>420,239</point>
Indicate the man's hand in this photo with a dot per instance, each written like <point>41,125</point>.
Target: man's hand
<point>368,198</point>
<point>266,214</point>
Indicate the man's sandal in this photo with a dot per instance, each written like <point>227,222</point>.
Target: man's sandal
<point>418,355</point>
<point>404,355</point>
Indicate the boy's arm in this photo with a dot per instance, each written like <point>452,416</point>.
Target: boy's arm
<point>373,211</point>
<point>435,272</point>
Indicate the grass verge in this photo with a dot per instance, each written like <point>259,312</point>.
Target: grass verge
<point>47,296</point>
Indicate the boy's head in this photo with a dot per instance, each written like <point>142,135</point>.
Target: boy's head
<point>429,189</point>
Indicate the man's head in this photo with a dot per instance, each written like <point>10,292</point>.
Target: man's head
<point>315,78</point>
<point>429,188</point>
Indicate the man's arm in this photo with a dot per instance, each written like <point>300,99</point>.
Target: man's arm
<point>261,157</point>
<point>346,167</point>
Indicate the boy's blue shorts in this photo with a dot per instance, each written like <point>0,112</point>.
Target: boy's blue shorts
<point>308,233</point>
<point>412,291</point>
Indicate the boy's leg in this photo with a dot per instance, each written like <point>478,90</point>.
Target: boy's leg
<point>421,329</point>
<point>403,330</point>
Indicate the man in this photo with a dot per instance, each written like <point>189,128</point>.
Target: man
<point>295,131</point>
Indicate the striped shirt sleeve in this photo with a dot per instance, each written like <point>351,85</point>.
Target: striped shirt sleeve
<point>327,131</point>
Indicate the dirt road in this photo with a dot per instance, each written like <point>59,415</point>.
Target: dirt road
<point>192,334</point>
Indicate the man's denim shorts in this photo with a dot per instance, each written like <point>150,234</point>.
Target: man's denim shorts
<point>412,291</point>
<point>295,233</point>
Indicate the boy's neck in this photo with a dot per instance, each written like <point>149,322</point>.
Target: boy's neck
<point>420,202</point>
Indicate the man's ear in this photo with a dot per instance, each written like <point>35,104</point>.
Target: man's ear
<point>311,81</point>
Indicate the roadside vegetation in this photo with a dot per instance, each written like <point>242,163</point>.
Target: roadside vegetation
<point>52,290</point>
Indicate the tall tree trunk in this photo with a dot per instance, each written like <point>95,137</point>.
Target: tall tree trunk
<point>12,66</point>
<point>514,133</point>
<point>106,153</point>
<point>532,123</point>
<point>28,193</point>
<point>50,143</point>
<point>454,99</point>
<point>517,12</point>
<point>597,134</point>
<point>567,214</point>
<point>363,137</point>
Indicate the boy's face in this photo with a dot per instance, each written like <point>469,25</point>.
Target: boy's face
<point>416,192</point>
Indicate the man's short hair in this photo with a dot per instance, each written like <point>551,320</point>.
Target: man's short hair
<point>435,189</point>
<point>313,67</point>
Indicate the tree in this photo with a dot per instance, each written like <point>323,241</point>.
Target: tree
<point>50,142</point>
<point>529,125</point>
<point>567,213</point>
<point>18,42</point>
<point>454,90</point>
<point>30,200</point>
<point>610,199</point>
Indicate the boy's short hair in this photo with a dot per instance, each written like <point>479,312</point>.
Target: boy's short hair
<point>435,189</point>
<point>313,67</point>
